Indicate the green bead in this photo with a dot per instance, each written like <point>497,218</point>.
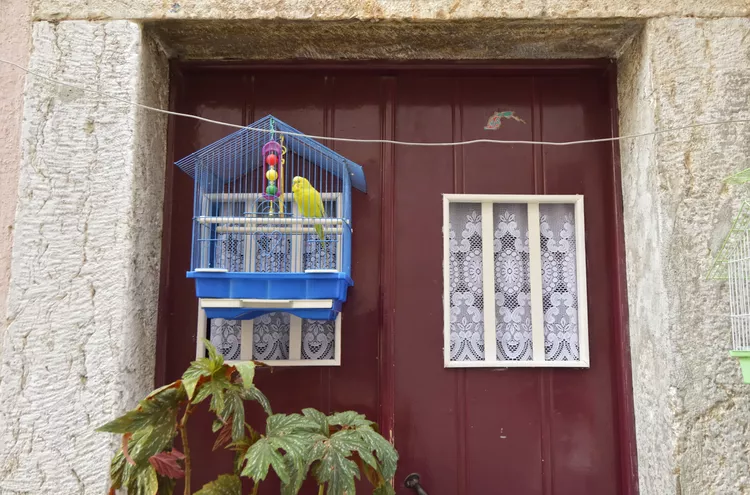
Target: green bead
<point>271,190</point>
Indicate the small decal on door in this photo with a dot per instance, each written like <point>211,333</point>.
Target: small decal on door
<point>495,121</point>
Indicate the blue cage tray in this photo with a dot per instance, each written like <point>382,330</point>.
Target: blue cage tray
<point>279,286</point>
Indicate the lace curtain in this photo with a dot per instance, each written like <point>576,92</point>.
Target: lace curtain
<point>465,275</point>
<point>225,336</point>
<point>271,338</point>
<point>512,284</point>
<point>559,282</point>
<point>229,248</point>
<point>512,297</point>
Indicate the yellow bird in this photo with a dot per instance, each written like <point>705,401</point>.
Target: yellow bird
<point>309,202</point>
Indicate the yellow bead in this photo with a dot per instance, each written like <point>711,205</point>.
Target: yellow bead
<point>272,175</point>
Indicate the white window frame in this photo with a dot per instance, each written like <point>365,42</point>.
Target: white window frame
<point>487,201</point>
<point>246,338</point>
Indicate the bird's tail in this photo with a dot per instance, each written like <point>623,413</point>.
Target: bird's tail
<point>319,230</point>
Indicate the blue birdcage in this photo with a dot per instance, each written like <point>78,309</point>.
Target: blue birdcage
<point>271,224</point>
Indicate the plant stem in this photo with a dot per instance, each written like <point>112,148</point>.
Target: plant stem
<point>320,489</point>
<point>186,447</point>
<point>255,488</point>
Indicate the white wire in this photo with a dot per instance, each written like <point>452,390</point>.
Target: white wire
<point>381,141</point>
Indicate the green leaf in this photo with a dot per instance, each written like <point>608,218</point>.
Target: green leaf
<point>147,483</point>
<point>259,457</point>
<point>240,448</point>
<point>152,423</point>
<point>234,411</point>
<point>349,419</point>
<point>166,485</point>
<point>198,369</point>
<point>293,434</point>
<point>334,468</point>
<point>255,394</point>
<point>246,369</point>
<point>384,489</point>
<point>116,469</point>
<point>214,388</point>
<point>319,419</point>
<point>216,359</point>
<point>156,409</point>
<point>740,177</point>
<point>225,484</point>
<point>283,424</point>
<point>385,452</point>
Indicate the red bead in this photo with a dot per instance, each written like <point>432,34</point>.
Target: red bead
<point>272,160</point>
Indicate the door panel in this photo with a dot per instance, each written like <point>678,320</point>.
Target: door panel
<point>466,431</point>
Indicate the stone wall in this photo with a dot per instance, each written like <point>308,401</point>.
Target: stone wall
<point>691,406</point>
<point>15,41</point>
<point>79,347</point>
<point>378,10</point>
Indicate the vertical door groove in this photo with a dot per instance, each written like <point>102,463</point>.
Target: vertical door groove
<point>388,259</point>
<point>461,397</point>
<point>544,375</point>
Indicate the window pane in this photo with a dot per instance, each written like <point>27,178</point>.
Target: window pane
<point>559,282</point>
<point>318,339</point>
<point>225,336</point>
<point>271,337</point>
<point>465,265</point>
<point>229,247</point>
<point>512,285</point>
<point>273,249</point>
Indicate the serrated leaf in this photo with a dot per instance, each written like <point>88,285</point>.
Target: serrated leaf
<point>281,424</point>
<point>320,419</point>
<point>253,393</point>
<point>240,448</point>
<point>740,177</point>
<point>384,489</point>
<point>335,469</point>
<point>165,464</point>
<point>259,457</point>
<point>225,484</point>
<point>147,483</point>
<point>200,368</point>
<point>372,473</point>
<point>217,425</point>
<point>152,411</point>
<point>234,411</point>
<point>116,469</point>
<point>174,384</point>
<point>216,359</point>
<point>166,485</point>
<point>214,387</point>
<point>246,369</point>
<point>224,437</point>
<point>349,419</point>
<point>293,434</point>
<point>383,449</point>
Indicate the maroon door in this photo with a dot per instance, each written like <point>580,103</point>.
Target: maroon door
<point>466,431</point>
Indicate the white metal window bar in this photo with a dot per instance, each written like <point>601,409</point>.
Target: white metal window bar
<point>295,356</point>
<point>514,281</point>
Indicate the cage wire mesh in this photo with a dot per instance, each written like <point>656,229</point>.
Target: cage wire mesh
<point>267,202</point>
<point>732,263</point>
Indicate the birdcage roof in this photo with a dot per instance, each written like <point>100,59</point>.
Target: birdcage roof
<point>740,229</point>
<point>250,140</point>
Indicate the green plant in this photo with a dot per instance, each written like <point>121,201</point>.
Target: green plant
<point>335,448</point>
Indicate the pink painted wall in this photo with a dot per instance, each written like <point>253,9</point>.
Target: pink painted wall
<point>15,41</point>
